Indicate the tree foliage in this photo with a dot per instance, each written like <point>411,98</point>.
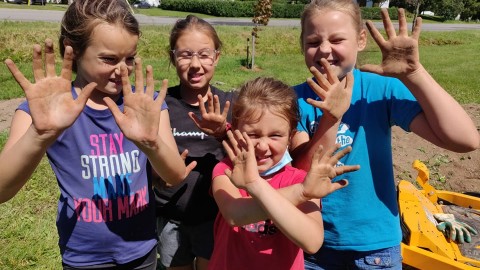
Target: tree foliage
<point>448,9</point>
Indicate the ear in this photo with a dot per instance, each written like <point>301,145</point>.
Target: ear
<point>362,40</point>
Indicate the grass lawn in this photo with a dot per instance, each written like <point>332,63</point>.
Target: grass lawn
<point>28,238</point>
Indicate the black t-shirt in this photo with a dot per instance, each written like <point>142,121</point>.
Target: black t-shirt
<point>191,201</point>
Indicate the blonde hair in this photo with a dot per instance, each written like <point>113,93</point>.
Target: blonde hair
<point>349,7</point>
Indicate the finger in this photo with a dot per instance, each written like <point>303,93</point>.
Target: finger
<point>117,114</point>
<point>162,93</point>
<point>85,94</point>
<point>340,154</point>
<point>417,28</point>
<point>322,81</point>
<point>190,167</point>
<point>317,155</point>
<point>242,144</point>
<point>127,88</point>
<point>201,105</point>
<point>138,75</point>
<point>402,23</point>
<point>67,64</point>
<point>346,168</point>
<point>372,68</point>
<point>225,109</point>
<point>18,75</point>
<point>228,148</point>
<point>49,59</point>
<point>339,184</point>
<point>216,104</point>
<point>248,142</point>
<point>184,154</point>
<point>195,119</point>
<point>316,103</point>
<point>387,24</point>
<point>38,73</point>
<point>349,83</point>
<point>376,35</point>
<point>317,88</point>
<point>211,108</point>
<point>331,77</point>
<point>150,82</point>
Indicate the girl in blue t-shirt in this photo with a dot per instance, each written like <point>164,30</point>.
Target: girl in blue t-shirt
<point>361,221</point>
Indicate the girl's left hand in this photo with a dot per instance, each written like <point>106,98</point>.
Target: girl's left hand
<point>400,55</point>
<point>318,182</point>
<point>241,152</point>
<point>213,121</point>
<point>140,118</point>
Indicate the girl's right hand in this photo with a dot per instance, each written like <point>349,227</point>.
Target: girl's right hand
<point>52,106</point>
<point>335,94</point>
<point>241,152</point>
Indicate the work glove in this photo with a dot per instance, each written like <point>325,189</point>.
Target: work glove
<point>455,230</point>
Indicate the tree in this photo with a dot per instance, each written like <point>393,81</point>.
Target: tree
<point>471,10</point>
<point>449,9</point>
<point>263,12</point>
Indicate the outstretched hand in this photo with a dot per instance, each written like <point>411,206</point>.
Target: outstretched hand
<point>400,55</point>
<point>335,94</point>
<point>241,152</point>
<point>213,121</point>
<point>140,118</point>
<point>318,182</point>
<point>50,99</point>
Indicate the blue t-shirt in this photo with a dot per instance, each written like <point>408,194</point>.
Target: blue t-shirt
<point>106,210</point>
<point>364,215</point>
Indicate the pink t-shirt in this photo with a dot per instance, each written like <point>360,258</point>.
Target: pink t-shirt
<point>256,246</point>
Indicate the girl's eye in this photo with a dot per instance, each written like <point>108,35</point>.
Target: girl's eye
<point>337,41</point>
<point>130,60</point>
<point>109,60</point>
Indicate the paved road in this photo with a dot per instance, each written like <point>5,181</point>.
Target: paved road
<point>55,16</point>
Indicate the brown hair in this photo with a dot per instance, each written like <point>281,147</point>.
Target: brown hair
<point>264,93</point>
<point>191,23</point>
<point>82,16</point>
<point>349,7</point>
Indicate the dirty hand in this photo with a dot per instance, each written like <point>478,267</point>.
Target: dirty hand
<point>213,120</point>
<point>456,230</point>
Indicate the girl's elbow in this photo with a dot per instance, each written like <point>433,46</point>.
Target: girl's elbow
<point>313,247</point>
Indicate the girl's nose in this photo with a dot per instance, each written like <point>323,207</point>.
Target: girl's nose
<point>325,47</point>
<point>261,145</point>
<point>195,61</point>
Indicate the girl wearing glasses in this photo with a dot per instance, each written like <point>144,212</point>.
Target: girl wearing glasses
<point>186,212</point>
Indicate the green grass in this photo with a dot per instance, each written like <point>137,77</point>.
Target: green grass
<point>28,238</point>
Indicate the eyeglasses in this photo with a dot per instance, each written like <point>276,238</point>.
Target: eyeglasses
<point>205,56</point>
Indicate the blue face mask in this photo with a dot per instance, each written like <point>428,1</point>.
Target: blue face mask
<point>275,168</point>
